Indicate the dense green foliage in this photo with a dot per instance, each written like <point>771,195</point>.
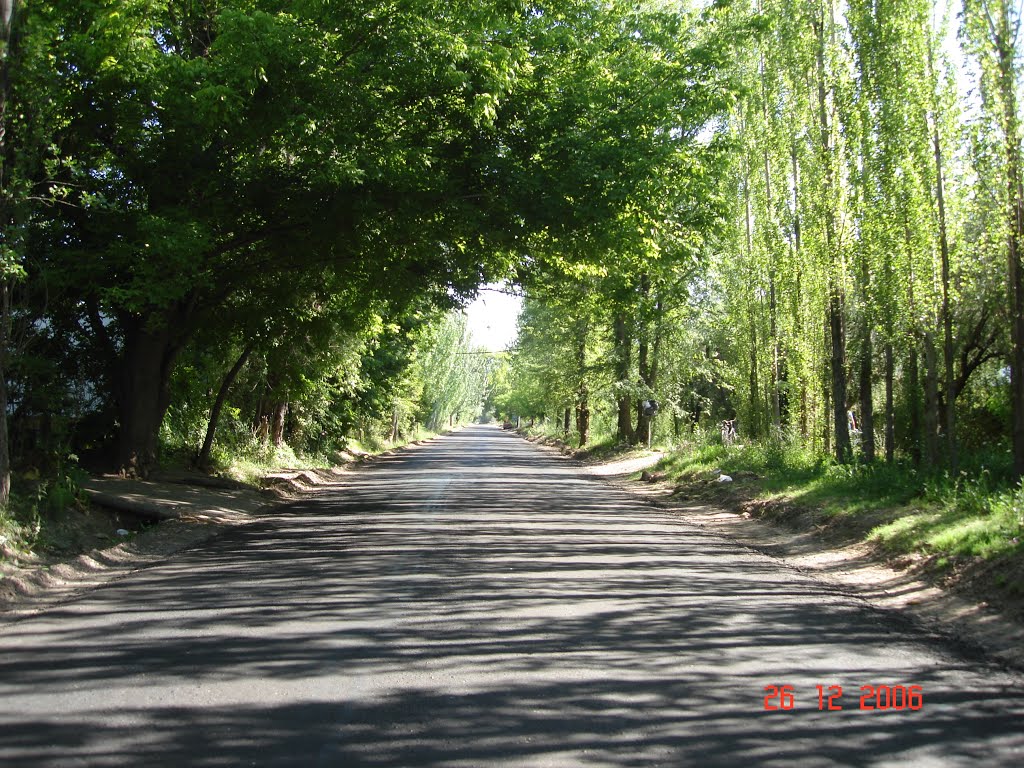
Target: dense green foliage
<point>851,284</point>
<point>256,213</point>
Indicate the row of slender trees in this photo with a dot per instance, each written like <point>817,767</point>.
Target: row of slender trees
<point>855,282</point>
<point>876,253</point>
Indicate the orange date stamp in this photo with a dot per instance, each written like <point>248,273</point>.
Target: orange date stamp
<point>892,698</point>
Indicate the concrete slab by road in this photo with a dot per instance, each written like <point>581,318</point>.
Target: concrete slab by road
<point>475,602</point>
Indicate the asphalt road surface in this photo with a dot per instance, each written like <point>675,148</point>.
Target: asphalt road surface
<point>476,602</point>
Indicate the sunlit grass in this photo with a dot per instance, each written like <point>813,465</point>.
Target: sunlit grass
<point>893,505</point>
<point>252,464</point>
<point>960,522</point>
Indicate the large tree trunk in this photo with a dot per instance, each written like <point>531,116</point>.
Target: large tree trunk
<point>647,364</point>
<point>10,14</point>
<point>222,394</point>
<point>840,424</point>
<point>914,405</point>
<point>826,395</point>
<point>890,406</point>
<point>643,417</point>
<point>947,311</point>
<point>913,362</point>
<point>582,391</point>
<point>5,333</point>
<point>753,427</point>
<point>805,424</point>
<point>778,367</point>
<point>395,416</point>
<point>837,330</point>
<point>623,344</point>
<point>143,392</point>
<point>583,415</point>
<point>277,425</point>
<point>1016,279</point>
<point>867,405</point>
<point>931,401</point>
<point>773,325</point>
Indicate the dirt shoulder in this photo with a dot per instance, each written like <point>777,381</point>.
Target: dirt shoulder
<point>965,617</point>
<point>132,524</point>
<point>858,569</point>
<point>124,542</point>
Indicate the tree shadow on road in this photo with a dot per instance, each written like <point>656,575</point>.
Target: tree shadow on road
<point>466,618</point>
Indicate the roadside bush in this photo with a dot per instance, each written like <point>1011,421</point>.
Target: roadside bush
<point>37,505</point>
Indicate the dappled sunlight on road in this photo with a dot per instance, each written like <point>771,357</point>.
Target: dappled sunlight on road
<point>437,610</point>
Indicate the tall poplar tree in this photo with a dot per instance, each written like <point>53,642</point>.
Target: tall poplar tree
<point>992,33</point>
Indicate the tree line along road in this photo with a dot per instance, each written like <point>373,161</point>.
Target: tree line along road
<point>475,602</point>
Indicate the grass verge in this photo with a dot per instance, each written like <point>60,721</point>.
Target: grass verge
<point>253,461</point>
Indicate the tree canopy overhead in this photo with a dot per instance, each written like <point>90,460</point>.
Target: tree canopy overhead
<point>172,166</point>
<point>785,211</point>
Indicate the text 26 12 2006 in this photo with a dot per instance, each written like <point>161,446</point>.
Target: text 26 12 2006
<point>893,698</point>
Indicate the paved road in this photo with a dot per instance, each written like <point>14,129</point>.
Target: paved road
<point>475,602</point>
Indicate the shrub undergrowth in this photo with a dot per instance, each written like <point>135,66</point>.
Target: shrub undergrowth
<point>35,513</point>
